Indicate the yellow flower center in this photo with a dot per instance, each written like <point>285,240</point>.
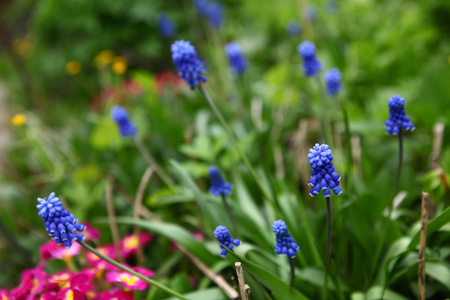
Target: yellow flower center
<point>131,242</point>
<point>103,58</point>
<point>128,279</point>
<point>19,119</point>
<point>69,295</point>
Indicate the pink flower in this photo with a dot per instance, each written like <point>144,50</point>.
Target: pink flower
<point>130,243</point>
<point>130,281</point>
<point>5,295</point>
<point>91,233</point>
<point>32,282</point>
<point>51,250</point>
<point>71,294</point>
<point>61,278</point>
<point>97,262</point>
<point>118,295</point>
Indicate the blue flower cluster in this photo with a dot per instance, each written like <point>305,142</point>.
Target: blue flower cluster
<point>222,234</point>
<point>59,223</point>
<point>189,66</point>
<point>218,185</point>
<point>237,60</point>
<point>213,11</point>
<point>122,119</point>
<point>311,65</point>
<point>166,26</point>
<point>333,81</point>
<point>323,175</point>
<point>397,116</point>
<point>285,243</point>
<point>293,27</point>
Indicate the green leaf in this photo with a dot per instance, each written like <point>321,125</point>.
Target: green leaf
<point>209,294</point>
<point>269,280</point>
<point>175,233</point>
<point>439,271</point>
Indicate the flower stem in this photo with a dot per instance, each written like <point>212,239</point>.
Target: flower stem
<point>152,163</point>
<point>328,250</point>
<point>390,206</point>
<point>235,143</point>
<point>230,215</point>
<point>291,263</point>
<point>132,272</point>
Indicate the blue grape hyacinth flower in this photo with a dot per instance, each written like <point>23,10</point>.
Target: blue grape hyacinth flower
<point>333,81</point>
<point>285,243</point>
<point>238,62</point>
<point>311,65</point>
<point>397,116</point>
<point>323,175</point>
<point>213,11</point>
<point>218,185</point>
<point>189,66</point>
<point>166,26</point>
<point>222,234</point>
<point>120,115</point>
<point>59,223</point>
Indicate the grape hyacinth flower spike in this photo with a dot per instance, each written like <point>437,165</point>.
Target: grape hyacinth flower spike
<point>59,223</point>
<point>166,26</point>
<point>397,116</point>
<point>238,62</point>
<point>323,174</point>
<point>218,185</point>
<point>189,66</point>
<point>333,81</point>
<point>120,115</point>
<point>311,65</point>
<point>285,243</point>
<point>222,234</point>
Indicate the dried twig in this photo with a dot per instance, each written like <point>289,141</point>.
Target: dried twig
<point>112,219</point>
<point>423,244</point>
<point>243,288</point>
<point>137,207</point>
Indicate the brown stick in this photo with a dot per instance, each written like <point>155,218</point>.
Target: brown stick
<point>242,286</point>
<point>423,244</point>
<point>112,219</point>
<point>137,207</point>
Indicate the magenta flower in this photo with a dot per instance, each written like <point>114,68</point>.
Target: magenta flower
<point>99,263</point>
<point>51,250</point>
<point>130,243</point>
<point>60,278</point>
<point>117,295</point>
<point>130,281</point>
<point>91,233</point>
<point>79,283</point>
<point>32,283</point>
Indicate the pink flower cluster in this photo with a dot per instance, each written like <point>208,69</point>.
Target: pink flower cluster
<point>97,279</point>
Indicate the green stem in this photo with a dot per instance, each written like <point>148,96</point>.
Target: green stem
<point>230,215</point>
<point>291,263</point>
<point>235,143</point>
<point>348,147</point>
<point>152,163</point>
<point>391,208</point>
<point>128,270</point>
<point>328,249</point>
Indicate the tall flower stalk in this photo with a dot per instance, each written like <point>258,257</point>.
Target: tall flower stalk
<point>222,188</point>
<point>62,226</point>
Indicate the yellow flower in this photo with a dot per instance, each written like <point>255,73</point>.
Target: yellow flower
<point>25,46</point>
<point>19,120</point>
<point>103,58</point>
<point>73,67</point>
<point>119,65</point>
